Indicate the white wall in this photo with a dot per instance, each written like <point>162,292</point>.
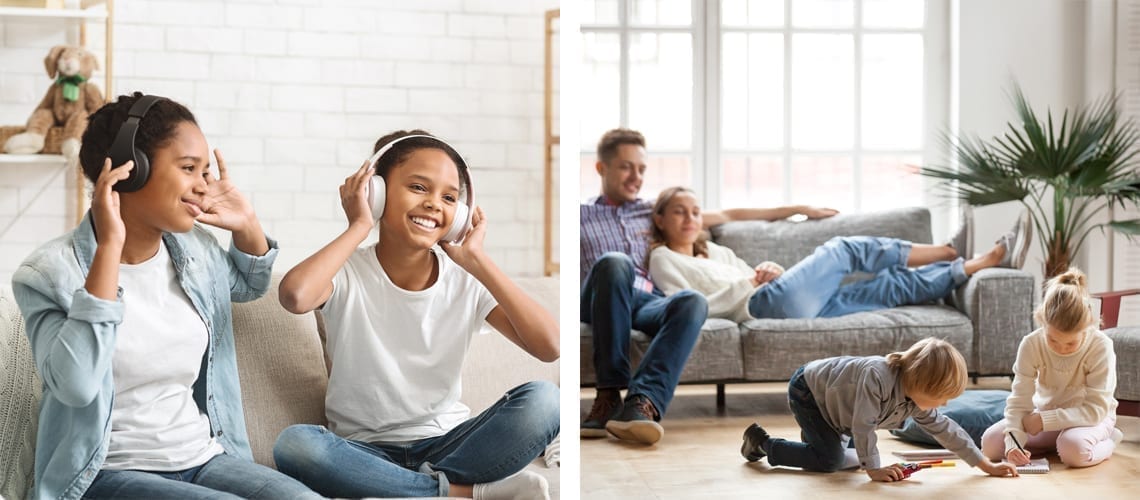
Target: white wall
<point>295,92</point>
<point>1047,46</point>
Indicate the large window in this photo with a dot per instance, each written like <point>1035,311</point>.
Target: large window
<point>825,102</point>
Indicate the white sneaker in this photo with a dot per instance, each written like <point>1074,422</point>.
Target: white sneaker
<point>963,240</point>
<point>1016,242</point>
<point>1117,436</point>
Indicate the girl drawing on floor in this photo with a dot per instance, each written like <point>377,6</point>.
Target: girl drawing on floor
<point>1064,378</point>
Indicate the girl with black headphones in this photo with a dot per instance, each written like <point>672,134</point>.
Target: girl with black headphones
<point>400,315</point>
<point>129,320</point>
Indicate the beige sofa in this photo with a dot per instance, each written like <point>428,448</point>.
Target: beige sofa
<point>283,378</point>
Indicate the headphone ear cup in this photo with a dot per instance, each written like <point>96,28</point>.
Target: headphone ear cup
<point>460,224</point>
<point>377,191</point>
<point>138,176</point>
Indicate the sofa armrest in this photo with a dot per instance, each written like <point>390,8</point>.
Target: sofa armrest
<point>494,364</point>
<point>999,303</point>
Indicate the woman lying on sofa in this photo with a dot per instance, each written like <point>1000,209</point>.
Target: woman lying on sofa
<point>129,320</point>
<point>904,273</point>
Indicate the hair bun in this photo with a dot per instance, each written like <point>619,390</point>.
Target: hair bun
<point>1073,276</point>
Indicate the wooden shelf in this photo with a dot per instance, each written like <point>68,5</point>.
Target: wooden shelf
<point>53,13</point>
<point>82,11</point>
<point>30,159</point>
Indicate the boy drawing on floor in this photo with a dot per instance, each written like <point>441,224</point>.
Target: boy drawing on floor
<point>1063,381</point>
<point>837,399</point>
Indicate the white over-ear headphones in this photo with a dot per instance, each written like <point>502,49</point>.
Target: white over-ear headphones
<point>460,224</point>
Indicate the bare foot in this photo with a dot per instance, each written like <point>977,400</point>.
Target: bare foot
<point>984,261</point>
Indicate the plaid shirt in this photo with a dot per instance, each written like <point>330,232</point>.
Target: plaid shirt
<point>625,229</point>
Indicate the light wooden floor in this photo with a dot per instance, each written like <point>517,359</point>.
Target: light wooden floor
<point>699,457</point>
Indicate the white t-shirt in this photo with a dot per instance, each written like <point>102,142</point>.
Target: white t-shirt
<point>723,278</point>
<point>155,423</point>
<point>396,354</point>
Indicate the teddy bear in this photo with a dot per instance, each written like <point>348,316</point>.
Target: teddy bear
<point>67,104</point>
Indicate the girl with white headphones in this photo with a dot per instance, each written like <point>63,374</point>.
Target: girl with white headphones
<point>399,316</point>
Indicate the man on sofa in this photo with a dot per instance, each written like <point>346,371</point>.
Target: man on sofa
<point>618,295</point>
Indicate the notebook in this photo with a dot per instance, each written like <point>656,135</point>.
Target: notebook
<point>920,455</point>
<point>1036,466</point>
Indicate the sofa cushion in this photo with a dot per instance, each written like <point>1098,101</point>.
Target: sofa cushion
<point>494,364</point>
<point>974,411</point>
<point>715,357</point>
<point>774,348</point>
<point>282,370</point>
<point>1126,345</point>
<point>787,243</point>
<point>20,391</point>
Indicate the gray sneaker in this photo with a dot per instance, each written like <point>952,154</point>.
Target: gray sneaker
<point>1016,242</point>
<point>963,240</point>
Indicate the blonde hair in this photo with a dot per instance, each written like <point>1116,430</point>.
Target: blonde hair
<point>1066,307</point>
<point>657,238</point>
<point>931,367</point>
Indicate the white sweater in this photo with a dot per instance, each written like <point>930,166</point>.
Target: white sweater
<point>1068,390</point>
<point>723,278</point>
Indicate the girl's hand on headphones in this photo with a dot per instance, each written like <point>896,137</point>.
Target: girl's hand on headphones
<point>468,253</point>
<point>105,204</point>
<point>223,205</point>
<point>354,196</point>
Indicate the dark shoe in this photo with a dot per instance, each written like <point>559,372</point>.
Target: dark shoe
<point>607,404</point>
<point>1016,242</point>
<point>755,440</point>
<point>637,421</point>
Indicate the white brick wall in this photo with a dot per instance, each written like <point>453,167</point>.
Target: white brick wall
<point>295,92</point>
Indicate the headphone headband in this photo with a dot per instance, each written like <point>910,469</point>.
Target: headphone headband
<point>123,147</point>
<point>464,173</point>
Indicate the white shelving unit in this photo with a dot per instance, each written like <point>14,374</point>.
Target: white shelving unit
<point>31,159</point>
<point>81,13</point>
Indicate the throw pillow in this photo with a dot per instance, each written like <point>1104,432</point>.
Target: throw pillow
<point>974,411</point>
<point>19,403</point>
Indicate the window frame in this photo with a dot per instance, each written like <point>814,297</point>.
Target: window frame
<point>707,153</point>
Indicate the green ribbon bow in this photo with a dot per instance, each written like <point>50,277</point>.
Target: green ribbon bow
<point>70,86</point>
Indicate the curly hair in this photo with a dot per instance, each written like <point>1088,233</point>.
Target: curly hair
<point>156,130</point>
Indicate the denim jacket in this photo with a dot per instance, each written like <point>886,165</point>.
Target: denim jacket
<point>72,335</point>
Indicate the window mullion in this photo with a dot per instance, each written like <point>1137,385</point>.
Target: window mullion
<point>623,62</point>
<point>708,102</point>
<point>787,102</point>
<point>857,90</point>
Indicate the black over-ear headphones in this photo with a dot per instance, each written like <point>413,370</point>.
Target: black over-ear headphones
<point>460,223</point>
<point>123,147</point>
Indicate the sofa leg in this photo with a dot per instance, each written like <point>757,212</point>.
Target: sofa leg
<point>720,398</point>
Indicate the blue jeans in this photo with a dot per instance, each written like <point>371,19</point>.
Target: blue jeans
<point>611,305</point>
<point>822,449</point>
<point>223,476</point>
<point>491,446</point>
<point>812,288</point>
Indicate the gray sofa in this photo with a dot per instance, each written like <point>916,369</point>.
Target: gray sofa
<point>985,318</point>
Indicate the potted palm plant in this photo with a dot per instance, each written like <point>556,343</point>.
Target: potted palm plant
<point>1064,175</point>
